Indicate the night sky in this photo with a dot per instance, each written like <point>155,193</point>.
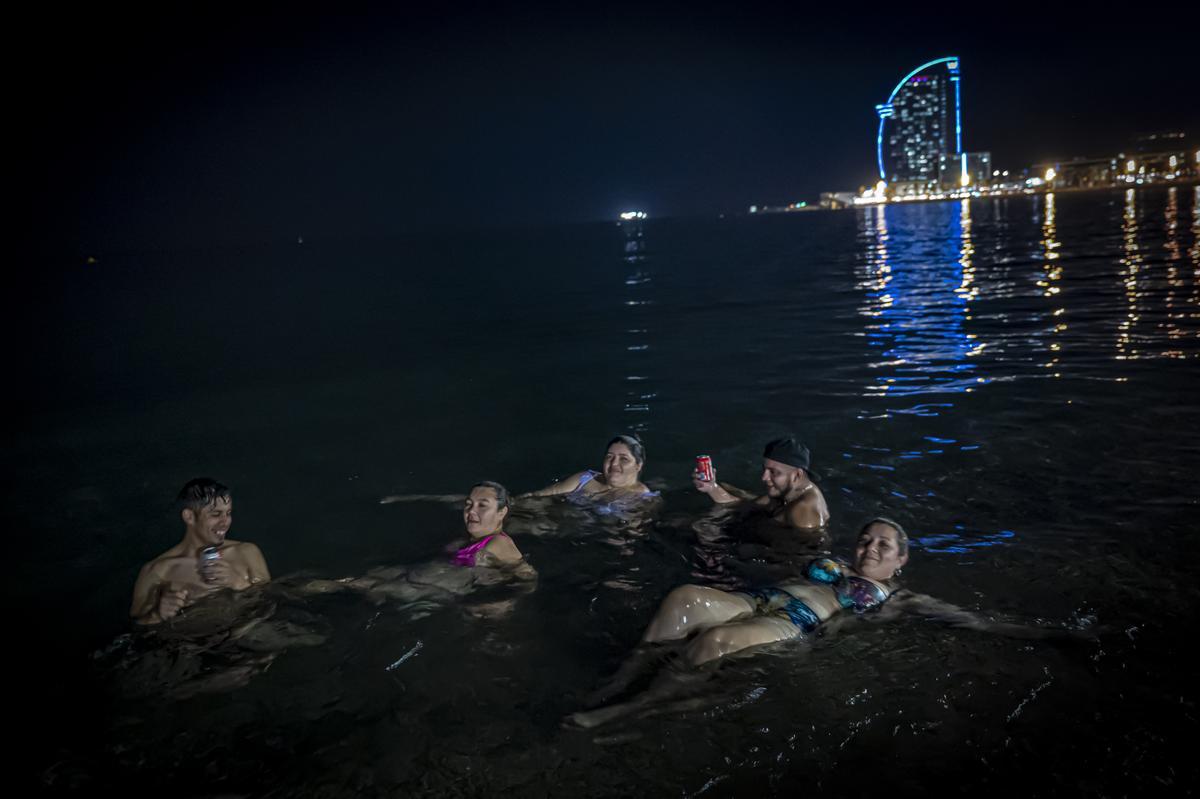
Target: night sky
<point>223,126</point>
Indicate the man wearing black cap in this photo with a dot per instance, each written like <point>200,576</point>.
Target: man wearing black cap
<point>792,496</point>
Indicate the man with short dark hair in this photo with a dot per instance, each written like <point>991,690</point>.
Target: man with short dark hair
<point>792,497</point>
<point>203,562</point>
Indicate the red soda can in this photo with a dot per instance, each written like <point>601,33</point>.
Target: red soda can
<point>704,467</point>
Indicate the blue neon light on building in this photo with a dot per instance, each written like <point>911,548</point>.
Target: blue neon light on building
<point>929,145</point>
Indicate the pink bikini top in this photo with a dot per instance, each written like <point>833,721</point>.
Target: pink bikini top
<point>466,556</point>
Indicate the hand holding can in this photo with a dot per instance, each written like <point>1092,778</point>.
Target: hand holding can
<point>704,468</point>
<point>208,556</point>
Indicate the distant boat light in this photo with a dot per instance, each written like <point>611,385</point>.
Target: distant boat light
<point>627,215</point>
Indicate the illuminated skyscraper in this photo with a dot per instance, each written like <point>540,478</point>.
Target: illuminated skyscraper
<point>920,131</point>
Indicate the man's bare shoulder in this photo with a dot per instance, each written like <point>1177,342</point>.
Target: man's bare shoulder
<point>808,512</point>
<point>811,499</point>
<point>239,547</point>
<point>247,557</point>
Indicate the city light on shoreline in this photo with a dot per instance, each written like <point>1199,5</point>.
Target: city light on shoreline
<point>920,156</point>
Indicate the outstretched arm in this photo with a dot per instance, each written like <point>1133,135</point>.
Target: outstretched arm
<point>451,499</point>
<point>564,486</point>
<point>929,607</point>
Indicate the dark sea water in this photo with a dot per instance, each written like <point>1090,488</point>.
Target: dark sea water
<point>1015,380</point>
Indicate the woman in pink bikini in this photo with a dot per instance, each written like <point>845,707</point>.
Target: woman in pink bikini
<point>483,516</point>
<point>486,557</point>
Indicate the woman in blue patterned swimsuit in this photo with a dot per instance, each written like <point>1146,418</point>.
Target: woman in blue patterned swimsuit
<point>722,622</point>
<point>727,622</point>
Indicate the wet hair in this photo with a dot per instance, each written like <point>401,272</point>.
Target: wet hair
<point>901,535</point>
<point>198,494</point>
<point>502,498</point>
<point>635,446</point>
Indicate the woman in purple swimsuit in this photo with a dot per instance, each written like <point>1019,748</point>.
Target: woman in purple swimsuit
<point>618,480</point>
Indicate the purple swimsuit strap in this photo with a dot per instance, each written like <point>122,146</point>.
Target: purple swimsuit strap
<point>585,478</point>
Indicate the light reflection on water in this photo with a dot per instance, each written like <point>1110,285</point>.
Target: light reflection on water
<point>1131,262</point>
<point>1052,282</point>
<point>917,290</point>
<point>638,280</point>
<point>913,346</point>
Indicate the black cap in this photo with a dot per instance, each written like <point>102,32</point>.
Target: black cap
<point>791,452</point>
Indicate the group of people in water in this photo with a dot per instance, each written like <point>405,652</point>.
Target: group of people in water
<point>708,622</point>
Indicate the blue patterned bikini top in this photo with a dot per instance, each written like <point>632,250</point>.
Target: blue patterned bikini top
<point>853,592</point>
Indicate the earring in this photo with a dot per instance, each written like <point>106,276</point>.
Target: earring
<point>897,573</point>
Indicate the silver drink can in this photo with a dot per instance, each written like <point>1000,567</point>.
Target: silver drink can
<point>207,556</point>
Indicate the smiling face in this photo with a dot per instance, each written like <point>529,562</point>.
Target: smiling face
<point>878,553</point>
<point>482,513</point>
<point>208,526</point>
<point>779,478</point>
<point>620,467</point>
